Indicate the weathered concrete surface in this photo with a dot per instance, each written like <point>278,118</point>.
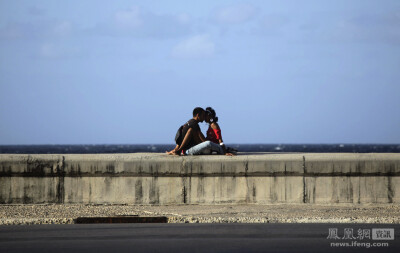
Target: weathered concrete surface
<point>144,178</point>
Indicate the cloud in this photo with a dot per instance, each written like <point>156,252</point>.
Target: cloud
<point>62,29</point>
<point>198,46</point>
<point>129,18</point>
<point>51,51</point>
<point>273,24</point>
<point>184,18</point>
<point>44,29</point>
<point>274,21</point>
<point>130,22</point>
<point>35,11</point>
<point>13,31</point>
<point>383,28</point>
<point>362,28</point>
<point>235,14</point>
<point>137,22</point>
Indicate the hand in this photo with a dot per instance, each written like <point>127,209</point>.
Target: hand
<point>229,154</point>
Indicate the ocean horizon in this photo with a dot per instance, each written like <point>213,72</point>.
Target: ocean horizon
<point>160,148</point>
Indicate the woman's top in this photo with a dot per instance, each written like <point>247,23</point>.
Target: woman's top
<point>214,135</point>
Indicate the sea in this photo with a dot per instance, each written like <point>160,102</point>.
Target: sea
<point>160,148</point>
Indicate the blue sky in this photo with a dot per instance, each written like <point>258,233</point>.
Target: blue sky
<point>110,72</point>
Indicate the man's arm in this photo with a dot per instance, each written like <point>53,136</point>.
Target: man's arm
<point>201,136</point>
<point>185,142</point>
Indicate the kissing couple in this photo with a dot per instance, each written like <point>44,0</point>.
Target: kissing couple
<point>190,140</point>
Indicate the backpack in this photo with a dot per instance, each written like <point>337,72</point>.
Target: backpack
<point>178,136</point>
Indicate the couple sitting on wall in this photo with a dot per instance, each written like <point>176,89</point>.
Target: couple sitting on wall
<point>190,140</point>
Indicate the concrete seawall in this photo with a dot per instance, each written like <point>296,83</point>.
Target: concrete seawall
<point>144,178</point>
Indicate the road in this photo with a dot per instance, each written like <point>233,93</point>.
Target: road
<point>272,237</point>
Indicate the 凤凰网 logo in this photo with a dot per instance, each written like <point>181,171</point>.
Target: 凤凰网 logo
<point>361,234</point>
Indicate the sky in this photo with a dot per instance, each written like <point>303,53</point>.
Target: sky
<point>131,72</point>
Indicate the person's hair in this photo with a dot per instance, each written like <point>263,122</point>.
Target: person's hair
<point>197,110</point>
<point>211,112</point>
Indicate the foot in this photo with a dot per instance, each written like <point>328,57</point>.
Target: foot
<point>172,152</point>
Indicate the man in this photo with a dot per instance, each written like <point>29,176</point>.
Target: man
<point>192,140</point>
<point>191,133</point>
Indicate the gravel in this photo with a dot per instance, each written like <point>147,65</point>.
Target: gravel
<point>269,213</point>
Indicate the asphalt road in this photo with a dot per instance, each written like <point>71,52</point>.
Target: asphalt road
<point>176,238</point>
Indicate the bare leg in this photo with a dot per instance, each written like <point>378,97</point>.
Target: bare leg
<point>188,137</point>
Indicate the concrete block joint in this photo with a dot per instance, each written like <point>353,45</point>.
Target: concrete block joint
<point>153,178</point>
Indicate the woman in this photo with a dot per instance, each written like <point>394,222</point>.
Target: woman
<point>214,131</point>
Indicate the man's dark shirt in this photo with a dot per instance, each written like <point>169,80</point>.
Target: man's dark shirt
<point>190,124</point>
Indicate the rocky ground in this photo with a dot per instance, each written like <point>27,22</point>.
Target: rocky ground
<point>280,213</point>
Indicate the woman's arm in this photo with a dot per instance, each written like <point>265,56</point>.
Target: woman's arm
<point>215,126</point>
